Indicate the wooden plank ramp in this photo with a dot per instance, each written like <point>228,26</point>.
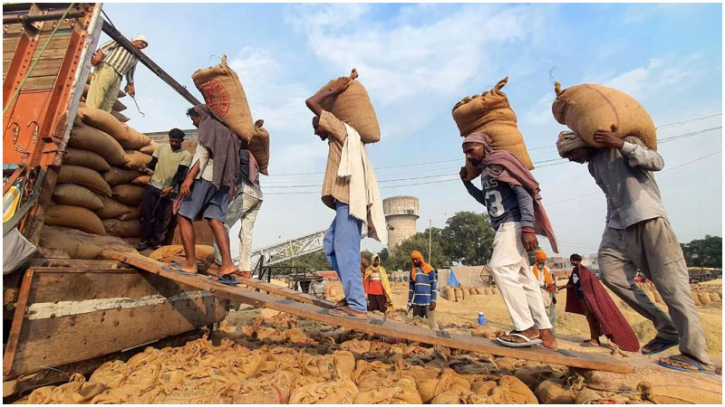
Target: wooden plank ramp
<point>376,325</point>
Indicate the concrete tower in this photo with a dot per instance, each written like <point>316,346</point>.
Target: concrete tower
<point>401,212</point>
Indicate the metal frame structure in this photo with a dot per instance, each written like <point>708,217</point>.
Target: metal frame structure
<point>291,249</point>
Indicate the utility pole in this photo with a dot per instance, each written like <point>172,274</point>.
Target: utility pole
<point>430,231</point>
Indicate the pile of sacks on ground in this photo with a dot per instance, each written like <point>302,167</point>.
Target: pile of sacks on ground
<point>99,186</point>
<point>282,359</point>
<point>459,294</point>
<point>701,295</point>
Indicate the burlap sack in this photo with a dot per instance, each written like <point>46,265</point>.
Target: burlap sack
<point>141,180</point>
<point>122,228</point>
<point>113,209</point>
<point>259,146</point>
<point>555,391</point>
<point>136,159</point>
<point>104,121</point>
<point>488,291</point>
<point>76,195</point>
<point>328,392</point>
<point>714,297</point>
<point>116,176</point>
<point>459,294</point>
<point>74,217</point>
<point>224,94</point>
<point>85,158</point>
<point>511,390</point>
<point>60,238</point>
<point>128,194</point>
<point>149,148</point>
<point>167,254</point>
<point>89,138</point>
<point>450,294</point>
<point>704,298</point>
<point>491,113</point>
<point>353,106</point>
<point>532,376</point>
<point>589,107</point>
<point>120,117</point>
<point>74,174</point>
<point>695,298</point>
<point>118,106</point>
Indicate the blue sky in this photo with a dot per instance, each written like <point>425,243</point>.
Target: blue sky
<point>417,61</point>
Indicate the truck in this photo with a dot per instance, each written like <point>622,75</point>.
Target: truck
<point>62,316</point>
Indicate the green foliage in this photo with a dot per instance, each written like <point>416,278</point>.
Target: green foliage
<point>468,238</point>
<point>399,258</point>
<point>705,252</point>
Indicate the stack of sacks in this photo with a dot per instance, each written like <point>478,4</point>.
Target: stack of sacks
<point>99,188</point>
<point>589,107</point>
<point>224,94</point>
<point>491,113</point>
<point>118,106</point>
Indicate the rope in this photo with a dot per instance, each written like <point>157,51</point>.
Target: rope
<point>35,62</point>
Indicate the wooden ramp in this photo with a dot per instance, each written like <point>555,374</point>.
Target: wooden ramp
<point>375,325</point>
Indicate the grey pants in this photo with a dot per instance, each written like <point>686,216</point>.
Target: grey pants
<point>652,248</point>
<point>424,311</point>
<point>244,207</point>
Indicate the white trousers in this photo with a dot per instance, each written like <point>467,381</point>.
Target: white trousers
<point>514,278</point>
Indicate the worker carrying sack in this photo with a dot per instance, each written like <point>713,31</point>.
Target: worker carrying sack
<point>490,113</point>
<point>223,93</point>
<point>590,107</point>
<point>353,107</point>
<point>259,146</point>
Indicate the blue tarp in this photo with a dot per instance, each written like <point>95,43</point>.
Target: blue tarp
<point>452,280</point>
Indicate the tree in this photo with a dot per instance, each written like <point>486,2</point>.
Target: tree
<point>705,252</point>
<point>468,238</point>
<point>384,255</point>
<point>399,258</point>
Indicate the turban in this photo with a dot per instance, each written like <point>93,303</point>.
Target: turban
<point>479,138</point>
<point>539,255</point>
<point>569,141</point>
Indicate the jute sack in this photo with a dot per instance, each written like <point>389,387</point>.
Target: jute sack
<point>704,298</point>
<point>85,158</point>
<point>141,180</point>
<point>224,94</point>
<point>76,195</point>
<point>74,217</point>
<point>695,298</point>
<point>128,194</point>
<point>464,293</point>
<point>120,117</point>
<point>589,107</point>
<point>714,297</point>
<point>136,159</point>
<point>122,228</point>
<point>450,294</point>
<point>116,176</point>
<point>125,135</point>
<point>554,391</point>
<point>488,290</point>
<point>353,107</point>
<point>118,106</point>
<point>89,138</point>
<point>259,146</point>
<point>74,174</point>
<point>113,209</point>
<point>149,148</point>
<point>166,254</point>
<point>459,294</point>
<point>491,113</point>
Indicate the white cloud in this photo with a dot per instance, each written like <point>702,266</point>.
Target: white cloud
<point>540,113</point>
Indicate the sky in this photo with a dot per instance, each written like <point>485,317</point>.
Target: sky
<point>416,61</point>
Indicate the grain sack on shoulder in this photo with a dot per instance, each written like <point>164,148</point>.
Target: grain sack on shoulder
<point>122,228</point>
<point>116,176</point>
<point>589,107</point>
<point>259,146</point>
<point>128,137</point>
<point>74,217</point>
<point>85,158</point>
<point>491,113</point>
<point>224,94</point>
<point>353,106</point>
<point>76,195</point>
<point>74,174</point>
<point>89,138</point>
<point>128,194</point>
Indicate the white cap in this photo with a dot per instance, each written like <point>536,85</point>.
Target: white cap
<point>140,37</point>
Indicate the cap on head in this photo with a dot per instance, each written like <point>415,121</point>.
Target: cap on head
<point>140,37</point>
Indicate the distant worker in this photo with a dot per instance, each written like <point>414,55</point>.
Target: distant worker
<point>113,62</point>
<point>169,164</point>
<point>511,196</point>
<point>245,207</point>
<point>423,289</point>
<point>586,296</point>
<point>547,285</point>
<point>205,190</point>
<point>638,236</point>
<point>377,287</point>
<point>351,190</point>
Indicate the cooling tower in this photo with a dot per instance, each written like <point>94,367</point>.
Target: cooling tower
<point>401,213</point>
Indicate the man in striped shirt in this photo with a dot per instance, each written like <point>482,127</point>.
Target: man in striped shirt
<point>423,291</point>
<point>112,62</point>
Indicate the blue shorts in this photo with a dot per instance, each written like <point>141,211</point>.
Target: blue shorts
<point>206,198</point>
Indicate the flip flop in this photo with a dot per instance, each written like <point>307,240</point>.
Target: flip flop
<point>176,268</point>
<point>659,341</point>
<point>347,313</point>
<point>224,279</point>
<point>529,342</point>
<point>589,345</point>
<point>686,360</point>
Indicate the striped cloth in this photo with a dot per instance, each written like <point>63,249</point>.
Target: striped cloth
<point>122,61</point>
<point>424,289</point>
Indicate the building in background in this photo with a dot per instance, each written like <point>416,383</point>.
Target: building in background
<point>401,214</point>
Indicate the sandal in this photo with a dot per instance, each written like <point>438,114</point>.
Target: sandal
<point>675,362</point>
<point>527,344</point>
<point>176,268</point>
<point>223,278</point>
<point>345,312</point>
<point>666,344</point>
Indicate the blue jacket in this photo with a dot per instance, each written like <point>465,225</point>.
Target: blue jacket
<point>424,289</point>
